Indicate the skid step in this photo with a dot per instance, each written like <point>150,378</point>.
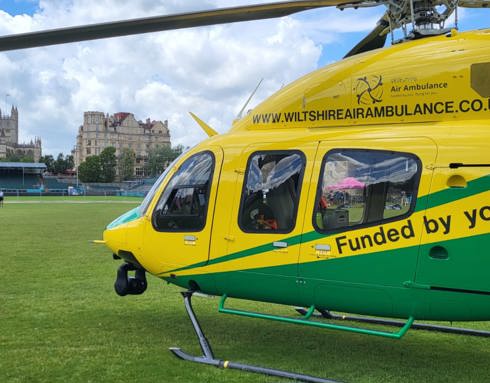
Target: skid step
<point>392,322</point>
<point>307,314</point>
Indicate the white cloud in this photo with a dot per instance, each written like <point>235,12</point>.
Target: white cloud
<point>210,71</point>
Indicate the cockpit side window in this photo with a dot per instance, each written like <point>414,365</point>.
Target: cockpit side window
<point>184,201</point>
<point>271,192</point>
<point>151,193</point>
<point>365,187</point>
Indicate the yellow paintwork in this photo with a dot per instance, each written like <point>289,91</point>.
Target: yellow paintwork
<point>207,129</point>
<point>184,250</point>
<point>441,120</point>
<point>442,63</point>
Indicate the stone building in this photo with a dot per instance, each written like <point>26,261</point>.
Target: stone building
<point>120,130</point>
<point>9,138</point>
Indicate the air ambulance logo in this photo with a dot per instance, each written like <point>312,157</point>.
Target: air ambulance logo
<point>369,90</point>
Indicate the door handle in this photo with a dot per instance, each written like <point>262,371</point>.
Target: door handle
<point>190,240</point>
<point>280,246</point>
<point>322,251</point>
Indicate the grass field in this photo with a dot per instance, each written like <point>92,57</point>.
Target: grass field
<point>60,320</point>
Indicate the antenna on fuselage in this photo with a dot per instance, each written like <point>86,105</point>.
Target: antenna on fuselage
<point>240,114</point>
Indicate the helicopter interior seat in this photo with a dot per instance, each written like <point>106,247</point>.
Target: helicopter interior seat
<point>255,211</point>
<point>375,202</point>
<point>277,208</point>
<point>282,202</point>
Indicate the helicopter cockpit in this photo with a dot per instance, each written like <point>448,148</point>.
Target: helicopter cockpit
<point>183,203</point>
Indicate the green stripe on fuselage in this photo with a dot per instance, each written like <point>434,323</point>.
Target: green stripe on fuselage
<point>444,196</point>
<point>240,254</point>
<point>372,284</point>
<point>435,199</point>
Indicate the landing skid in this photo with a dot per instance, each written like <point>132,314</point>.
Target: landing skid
<point>326,314</point>
<point>208,356</point>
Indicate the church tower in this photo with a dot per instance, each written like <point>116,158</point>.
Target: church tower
<point>14,115</point>
<point>9,126</point>
<point>9,138</point>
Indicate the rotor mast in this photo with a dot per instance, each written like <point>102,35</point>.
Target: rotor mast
<point>426,17</point>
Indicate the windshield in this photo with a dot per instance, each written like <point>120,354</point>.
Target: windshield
<point>146,202</point>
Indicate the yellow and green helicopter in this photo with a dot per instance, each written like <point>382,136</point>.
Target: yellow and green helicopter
<point>363,187</point>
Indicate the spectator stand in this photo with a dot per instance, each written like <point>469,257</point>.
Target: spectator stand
<point>31,179</point>
<point>21,178</point>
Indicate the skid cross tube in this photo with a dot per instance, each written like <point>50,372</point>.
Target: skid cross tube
<point>208,357</point>
<point>390,322</point>
<point>308,314</point>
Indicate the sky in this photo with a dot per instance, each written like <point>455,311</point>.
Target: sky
<point>210,71</point>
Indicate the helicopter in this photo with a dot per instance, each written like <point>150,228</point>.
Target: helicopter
<point>362,187</point>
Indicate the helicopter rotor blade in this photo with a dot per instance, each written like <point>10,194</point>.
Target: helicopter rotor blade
<point>160,23</point>
<point>474,3</point>
<point>374,40</point>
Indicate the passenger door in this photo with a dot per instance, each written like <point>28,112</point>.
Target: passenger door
<point>267,218</point>
<point>179,233</point>
<point>363,224</point>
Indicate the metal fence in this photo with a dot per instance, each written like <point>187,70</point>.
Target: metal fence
<point>69,192</point>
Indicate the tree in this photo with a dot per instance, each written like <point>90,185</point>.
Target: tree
<point>126,163</point>
<point>18,156</point>
<point>90,170</point>
<point>48,160</point>
<point>70,162</point>
<point>160,157</point>
<point>62,164</point>
<point>108,164</point>
<point>177,151</point>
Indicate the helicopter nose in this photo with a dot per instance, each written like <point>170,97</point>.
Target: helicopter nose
<point>115,239</point>
<point>125,284</point>
<point>116,233</point>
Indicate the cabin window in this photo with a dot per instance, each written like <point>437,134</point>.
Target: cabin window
<point>364,187</point>
<point>184,201</point>
<point>271,192</point>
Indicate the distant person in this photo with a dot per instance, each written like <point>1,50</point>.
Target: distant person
<point>1,198</point>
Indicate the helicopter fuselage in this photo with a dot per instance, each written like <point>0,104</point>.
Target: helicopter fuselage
<point>363,187</point>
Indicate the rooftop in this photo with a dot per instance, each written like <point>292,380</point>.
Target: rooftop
<point>20,165</point>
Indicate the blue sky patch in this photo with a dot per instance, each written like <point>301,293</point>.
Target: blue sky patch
<point>19,7</point>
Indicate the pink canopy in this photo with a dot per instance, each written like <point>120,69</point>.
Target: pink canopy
<point>347,183</point>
